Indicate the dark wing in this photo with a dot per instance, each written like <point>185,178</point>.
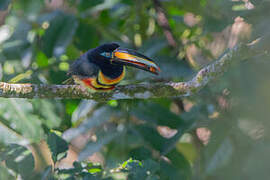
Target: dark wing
<point>83,67</point>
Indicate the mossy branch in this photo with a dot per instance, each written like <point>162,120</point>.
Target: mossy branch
<point>138,91</point>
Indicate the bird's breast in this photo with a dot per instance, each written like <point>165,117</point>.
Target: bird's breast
<point>105,80</point>
<point>100,82</point>
<point>93,84</point>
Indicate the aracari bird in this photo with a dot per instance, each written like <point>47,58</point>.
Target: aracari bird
<point>102,68</point>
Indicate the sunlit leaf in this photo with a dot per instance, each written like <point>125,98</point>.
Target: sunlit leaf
<point>85,4</point>
<point>188,150</point>
<point>19,113</point>
<point>107,4</point>
<point>83,171</point>
<point>17,45</point>
<point>97,118</point>
<point>83,110</point>
<point>141,170</point>
<point>42,59</point>
<point>179,161</point>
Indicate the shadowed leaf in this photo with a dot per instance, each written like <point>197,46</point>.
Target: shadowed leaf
<point>57,145</point>
<point>4,4</point>
<point>19,159</point>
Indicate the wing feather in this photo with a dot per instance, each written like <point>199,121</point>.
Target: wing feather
<point>83,67</point>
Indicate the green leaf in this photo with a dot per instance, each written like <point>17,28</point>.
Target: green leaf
<point>179,161</point>
<point>86,4</point>
<point>83,110</point>
<point>59,34</point>
<point>77,168</point>
<point>19,113</point>
<point>49,112</point>
<point>130,163</point>
<point>107,4</point>
<point>94,170</point>
<point>86,36</point>
<point>140,153</point>
<point>8,135</point>
<point>31,8</point>
<point>168,171</point>
<point>83,170</point>
<point>135,169</point>
<point>19,159</point>
<point>148,113</point>
<point>151,166</point>
<point>17,45</point>
<point>57,145</point>
<point>4,4</point>
<point>141,170</point>
<point>177,168</point>
<point>152,137</point>
<point>42,59</point>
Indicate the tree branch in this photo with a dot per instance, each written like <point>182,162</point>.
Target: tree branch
<point>138,91</point>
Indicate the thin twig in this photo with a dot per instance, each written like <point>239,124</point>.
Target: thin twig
<point>164,23</point>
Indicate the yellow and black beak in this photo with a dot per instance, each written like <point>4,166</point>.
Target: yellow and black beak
<point>132,58</point>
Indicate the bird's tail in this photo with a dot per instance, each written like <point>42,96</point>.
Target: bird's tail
<point>68,81</point>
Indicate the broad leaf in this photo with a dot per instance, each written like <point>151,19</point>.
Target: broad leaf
<point>57,145</point>
<point>19,113</point>
<point>148,112</point>
<point>19,159</point>
<point>99,117</point>
<point>59,34</point>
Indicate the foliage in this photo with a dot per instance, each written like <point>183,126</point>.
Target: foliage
<point>133,139</point>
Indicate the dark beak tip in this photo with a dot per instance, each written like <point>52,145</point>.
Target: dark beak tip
<point>157,71</point>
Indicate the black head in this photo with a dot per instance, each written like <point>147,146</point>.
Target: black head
<point>102,57</point>
<point>103,52</point>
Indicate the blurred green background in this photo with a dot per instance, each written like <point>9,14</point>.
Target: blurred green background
<point>220,133</point>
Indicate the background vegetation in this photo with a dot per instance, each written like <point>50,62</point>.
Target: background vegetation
<point>220,133</point>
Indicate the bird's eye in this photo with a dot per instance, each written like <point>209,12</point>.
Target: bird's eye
<point>106,54</point>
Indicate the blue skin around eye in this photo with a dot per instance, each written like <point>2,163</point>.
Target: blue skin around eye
<point>106,54</point>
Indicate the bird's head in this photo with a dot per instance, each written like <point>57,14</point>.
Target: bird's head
<point>104,52</point>
<point>111,53</point>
